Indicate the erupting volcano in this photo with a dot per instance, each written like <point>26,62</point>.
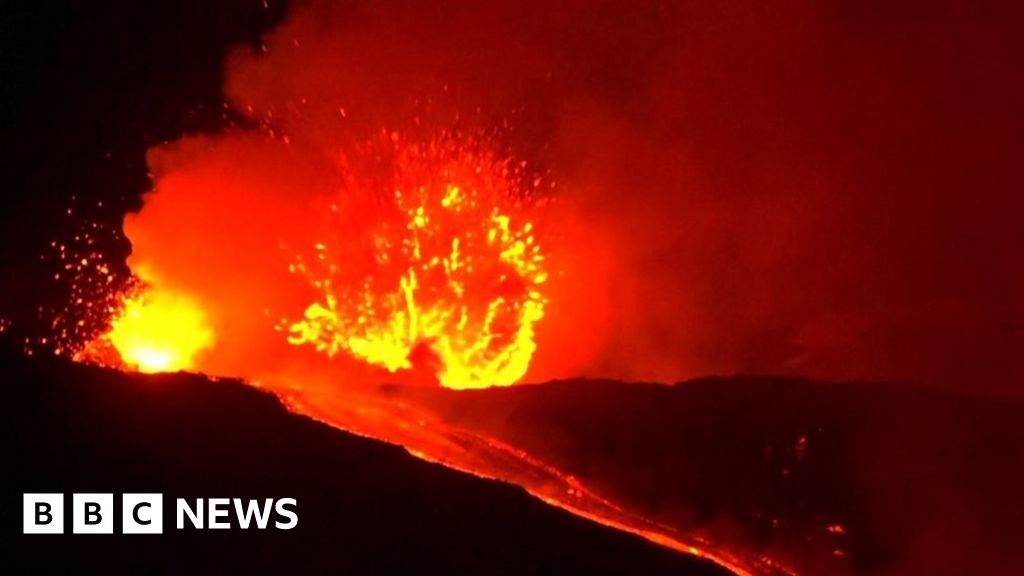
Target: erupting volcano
<point>425,263</point>
<point>426,260</point>
<point>731,278</point>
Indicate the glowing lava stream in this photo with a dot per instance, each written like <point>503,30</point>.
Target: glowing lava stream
<point>427,437</point>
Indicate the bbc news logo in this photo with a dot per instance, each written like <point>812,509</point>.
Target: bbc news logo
<point>143,513</point>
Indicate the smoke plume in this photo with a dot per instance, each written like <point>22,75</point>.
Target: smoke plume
<point>785,188</point>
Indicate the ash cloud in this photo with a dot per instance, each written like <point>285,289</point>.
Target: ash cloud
<point>784,188</point>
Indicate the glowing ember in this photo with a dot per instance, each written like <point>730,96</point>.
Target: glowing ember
<point>433,262</point>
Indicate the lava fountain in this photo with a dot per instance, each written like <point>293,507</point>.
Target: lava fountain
<point>424,259</point>
<point>430,259</point>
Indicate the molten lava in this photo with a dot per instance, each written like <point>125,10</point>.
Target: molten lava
<point>158,332</point>
<point>151,331</point>
<point>429,258</point>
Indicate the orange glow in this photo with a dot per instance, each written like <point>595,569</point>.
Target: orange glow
<point>157,332</point>
<point>435,264</point>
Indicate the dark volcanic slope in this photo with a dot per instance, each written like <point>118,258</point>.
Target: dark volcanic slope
<point>364,507</point>
<point>832,478</point>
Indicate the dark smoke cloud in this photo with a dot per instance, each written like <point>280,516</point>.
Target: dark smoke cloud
<point>789,187</point>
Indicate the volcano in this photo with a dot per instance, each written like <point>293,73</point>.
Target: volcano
<point>445,273</point>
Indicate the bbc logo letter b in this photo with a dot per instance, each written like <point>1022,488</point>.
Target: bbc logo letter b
<point>92,513</point>
<point>43,514</point>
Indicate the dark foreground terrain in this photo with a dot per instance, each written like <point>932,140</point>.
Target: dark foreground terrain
<point>364,507</point>
<point>826,477</point>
